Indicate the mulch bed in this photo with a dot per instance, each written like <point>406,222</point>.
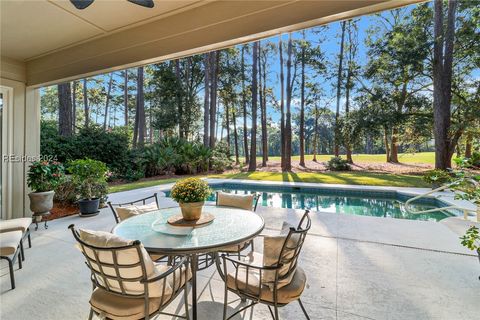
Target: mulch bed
<point>61,210</point>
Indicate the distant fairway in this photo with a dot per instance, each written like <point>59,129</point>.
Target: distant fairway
<point>420,157</point>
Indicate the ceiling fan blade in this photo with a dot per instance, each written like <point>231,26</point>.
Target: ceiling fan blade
<point>143,3</point>
<point>81,4</point>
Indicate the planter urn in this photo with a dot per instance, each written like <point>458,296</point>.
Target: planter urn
<point>41,202</point>
<point>191,211</point>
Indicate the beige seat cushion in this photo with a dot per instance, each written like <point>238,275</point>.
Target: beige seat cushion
<point>241,201</point>
<point>124,257</point>
<point>9,242</point>
<point>235,248</point>
<point>117,307</point>
<point>272,247</point>
<point>133,210</point>
<point>286,294</point>
<point>20,224</point>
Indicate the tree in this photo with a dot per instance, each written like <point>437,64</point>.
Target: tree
<point>65,109</point>
<point>253,146</point>
<point>139,129</point>
<point>339,88</point>
<point>302,103</point>
<point>244,105</point>
<point>288,118</point>
<point>125,96</point>
<point>282,107</point>
<point>85,102</point>
<point>107,100</point>
<point>214,59</point>
<point>74,105</point>
<point>206,100</point>
<point>442,82</point>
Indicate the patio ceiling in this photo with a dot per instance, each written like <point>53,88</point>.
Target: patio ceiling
<point>54,42</point>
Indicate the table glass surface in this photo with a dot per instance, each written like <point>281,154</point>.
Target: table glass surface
<point>230,226</point>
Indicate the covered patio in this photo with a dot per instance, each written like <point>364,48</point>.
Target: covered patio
<point>357,267</point>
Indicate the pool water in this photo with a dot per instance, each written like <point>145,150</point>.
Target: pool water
<point>375,204</point>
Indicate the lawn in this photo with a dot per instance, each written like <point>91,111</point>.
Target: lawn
<point>419,157</point>
<point>354,178</point>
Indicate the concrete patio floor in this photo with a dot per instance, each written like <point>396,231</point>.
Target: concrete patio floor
<point>358,268</point>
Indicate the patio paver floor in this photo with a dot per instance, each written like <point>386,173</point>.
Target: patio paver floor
<point>357,267</point>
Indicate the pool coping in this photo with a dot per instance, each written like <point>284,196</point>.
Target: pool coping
<point>447,196</point>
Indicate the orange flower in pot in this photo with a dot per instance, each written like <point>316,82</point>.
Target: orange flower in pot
<point>191,194</point>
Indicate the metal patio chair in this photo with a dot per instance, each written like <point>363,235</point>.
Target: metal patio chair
<point>237,249</point>
<point>131,203</point>
<point>116,295</point>
<point>248,278</point>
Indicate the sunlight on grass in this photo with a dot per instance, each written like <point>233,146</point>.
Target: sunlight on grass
<point>354,178</point>
<point>139,184</point>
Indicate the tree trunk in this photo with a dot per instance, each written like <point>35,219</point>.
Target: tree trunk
<point>107,101</point>
<point>288,119</point>
<point>468,145</point>
<point>244,104</point>
<point>74,106</point>
<point>394,147</point>
<point>442,82</point>
<point>125,97</point>
<point>302,108</point>
<point>315,135</point>
<point>339,90</point>
<point>85,102</point>
<point>65,109</point>
<point>214,56</point>
<point>139,134</point>
<point>227,120</point>
<point>351,51</point>
<point>282,107</point>
<point>179,98</point>
<point>385,139</point>
<point>235,135</point>
<point>263,115</point>
<point>253,146</point>
<point>206,101</point>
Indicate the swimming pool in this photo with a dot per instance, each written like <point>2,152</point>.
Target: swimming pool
<point>386,204</point>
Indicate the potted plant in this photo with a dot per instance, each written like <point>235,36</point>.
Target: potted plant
<point>437,178</point>
<point>191,194</point>
<point>471,240</point>
<point>90,179</point>
<point>43,177</point>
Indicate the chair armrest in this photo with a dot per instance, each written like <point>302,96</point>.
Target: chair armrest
<point>183,261</point>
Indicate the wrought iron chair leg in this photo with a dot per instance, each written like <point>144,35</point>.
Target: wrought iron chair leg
<point>185,300</point>
<point>225,301</point>
<point>271,312</point>
<point>90,316</point>
<point>275,307</point>
<point>303,309</point>
<point>12,276</point>
<point>29,239</point>
<point>22,252</point>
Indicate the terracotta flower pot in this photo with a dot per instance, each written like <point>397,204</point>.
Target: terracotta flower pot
<point>192,210</point>
<point>41,202</point>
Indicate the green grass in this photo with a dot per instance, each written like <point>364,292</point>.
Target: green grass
<point>139,184</point>
<point>353,178</point>
<point>420,157</point>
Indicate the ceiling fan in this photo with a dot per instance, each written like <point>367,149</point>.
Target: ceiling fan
<point>82,4</point>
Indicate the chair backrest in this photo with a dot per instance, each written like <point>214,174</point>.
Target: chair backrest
<point>120,270</point>
<point>131,203</point>
<point>254,204</point>
<point>292,246</point>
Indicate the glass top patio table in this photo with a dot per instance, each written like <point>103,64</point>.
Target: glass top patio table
<point>230,227</point>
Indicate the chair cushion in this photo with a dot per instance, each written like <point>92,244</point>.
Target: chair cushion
<point>118,307</point>
<point>285,295</point>
<point>121,308</point>
<point>272,247</point>
<point>20,224</point>
<point>124,257</point>
<point>241,201</point>
<point>9,242</point>
<point>235,248</point>
<point>133,210</point>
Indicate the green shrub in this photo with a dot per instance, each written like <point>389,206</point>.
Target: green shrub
<point>338,164</point>
<point>221,159</point>
<point>89,177</point>
<point>110,147</point>
<point>437,177</point>
<point>66,191</point>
